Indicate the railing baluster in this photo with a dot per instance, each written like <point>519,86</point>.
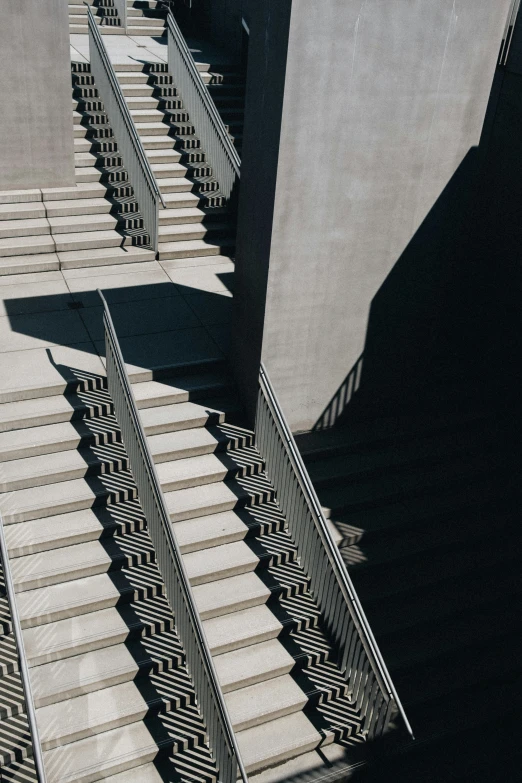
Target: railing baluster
<point>330,583</point>
<point>141,177</point>
<point>179,593</point>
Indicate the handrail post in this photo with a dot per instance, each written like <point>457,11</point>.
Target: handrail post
<point>24,668</point>
<point>130,146</point>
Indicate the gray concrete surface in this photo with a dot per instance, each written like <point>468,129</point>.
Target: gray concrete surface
<point>382,104</point>
<point>35,93</point>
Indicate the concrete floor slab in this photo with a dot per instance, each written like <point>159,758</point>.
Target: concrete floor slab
<point>125,287</point>
<point>146,354</point>
<point>211,308</point>
<point>23,332</point>
<point>35,297</point>
<point>142,317</point>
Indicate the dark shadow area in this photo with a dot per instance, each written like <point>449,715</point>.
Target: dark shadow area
<point>416,461</point>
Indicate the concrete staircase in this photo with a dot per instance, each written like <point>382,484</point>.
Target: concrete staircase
<point>426,505</point>
<point>94,222</point>
<point>144,17</point>
<point>195,222</point>
<point>114,700</point>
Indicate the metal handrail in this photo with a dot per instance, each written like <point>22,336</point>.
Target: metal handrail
<point>130,146</point>
<point>338,565</point>
<point>22,658</point>
<point>205,679</point>
<point>207,121</point>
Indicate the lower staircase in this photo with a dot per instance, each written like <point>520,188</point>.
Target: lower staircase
<point>427,508</point>
<point>114,700</point>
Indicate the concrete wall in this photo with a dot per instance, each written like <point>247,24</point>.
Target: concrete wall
<point>383,101</point>
<point>36,123</point>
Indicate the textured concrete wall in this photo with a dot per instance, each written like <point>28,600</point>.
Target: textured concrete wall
<point>383,100</point>
<point>36,123</point>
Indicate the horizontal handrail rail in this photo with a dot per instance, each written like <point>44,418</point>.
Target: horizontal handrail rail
<point>22,658</point>
<point>141,176</point>
<point>222,739</point>
<point>330,581</point>
<point>209,127</point>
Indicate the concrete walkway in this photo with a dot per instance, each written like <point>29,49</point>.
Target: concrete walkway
<point>164,314</point>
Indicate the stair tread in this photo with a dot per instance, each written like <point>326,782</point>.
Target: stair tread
<point>63,530</point>
<point>277,740</point>
<point>241,629</point>
<point>47,604</point>
<point>219,562</point>
<point>231,594</point>
<point>110,752</point>
<point>92,713</point>
<point>256,663</point>
<point>211,498</point>
<point>265,701</point>
<point>81,633</point>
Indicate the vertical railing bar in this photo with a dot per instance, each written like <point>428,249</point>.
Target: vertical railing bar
<point>22,657</point>
<point>368,645</point>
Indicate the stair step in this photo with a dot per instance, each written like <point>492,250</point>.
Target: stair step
<point>76,527</point>
<point>27,245</point>
<point>251,665</point>
<point>163,156</point>
<point>28,210</point>
<point>20,196</point>
<point>83,240</point>
<point>83,596</point>
<point>264,702</point>
<point>79,634</point>
<point>220,562</point>
<point>20,265</point>
<point>53,683</point>
<point>102,755</point>
<point>169,234</point>
<point>182,215</point>
<point>90,714</point>
<point>32,227</point>
<point>104,256</point>
<point>169,170</point>
<point>81,223</point>
<point>80,207</point>
<point>204,469</point>
<point>79,561</point>
<point>277,741</point>
<point>233,594</point>
<point>213,498</point>
<point>84,190</point>
<point>241,629</point>
<point>194,248</point>
<point>158,142</point>
<point>171,398</point>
